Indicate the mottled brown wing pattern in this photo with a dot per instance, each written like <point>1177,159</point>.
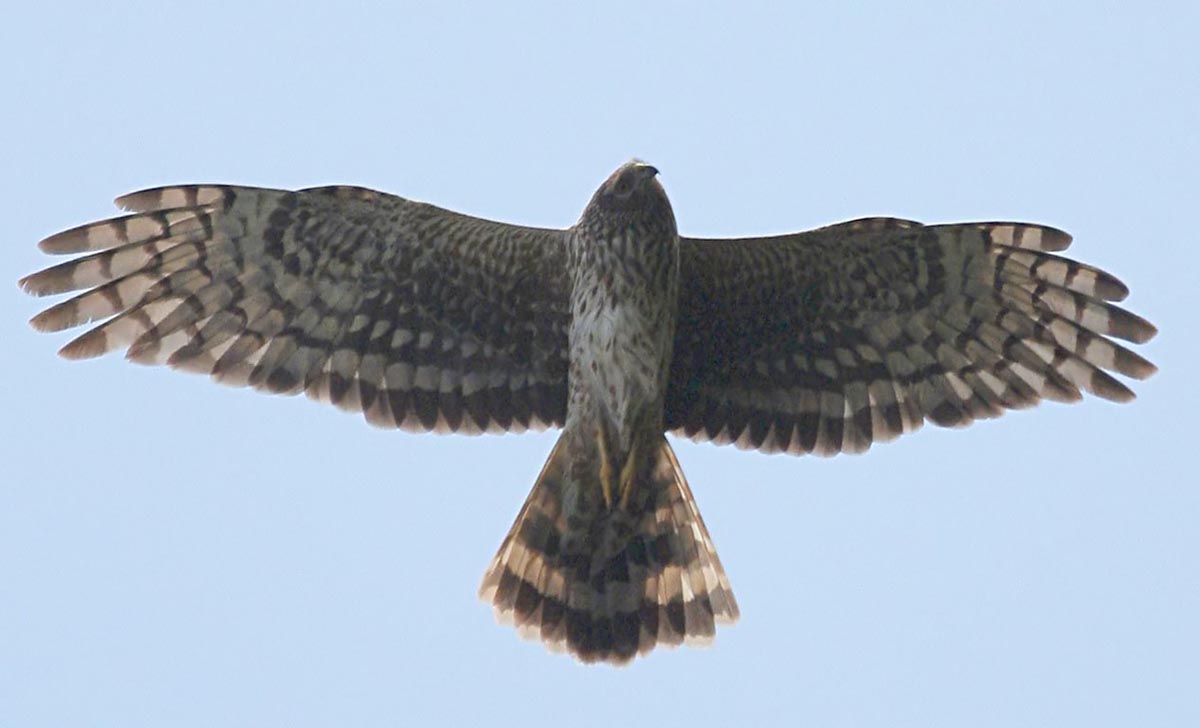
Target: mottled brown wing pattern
<point>831,340</point>
<point>418,317</point>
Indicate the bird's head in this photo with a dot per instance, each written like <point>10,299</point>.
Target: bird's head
<point>631,196</point>
<point>629,180</point>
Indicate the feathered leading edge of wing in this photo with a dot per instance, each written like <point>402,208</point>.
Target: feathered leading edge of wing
<point>830,340</point>
<point>418,317</point>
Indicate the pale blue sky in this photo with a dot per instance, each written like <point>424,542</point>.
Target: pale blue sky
<point>177,553</point>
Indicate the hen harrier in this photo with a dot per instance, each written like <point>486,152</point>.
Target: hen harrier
<point>617,330</point>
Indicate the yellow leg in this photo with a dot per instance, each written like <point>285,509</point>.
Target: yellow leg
<point>606,471</point>
<point>629,473</point>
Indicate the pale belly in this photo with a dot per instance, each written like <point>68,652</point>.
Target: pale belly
<point>622,362</point>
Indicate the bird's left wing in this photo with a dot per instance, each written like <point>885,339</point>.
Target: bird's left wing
<point>829,340</point>
<point>419,317</point>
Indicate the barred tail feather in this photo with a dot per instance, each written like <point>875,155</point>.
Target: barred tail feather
<point>610,583</point>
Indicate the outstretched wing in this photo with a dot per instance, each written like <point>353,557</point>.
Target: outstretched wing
<point>830,340</point>
<point>416,316</point>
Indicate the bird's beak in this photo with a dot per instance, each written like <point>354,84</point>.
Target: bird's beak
<point>648,170</point>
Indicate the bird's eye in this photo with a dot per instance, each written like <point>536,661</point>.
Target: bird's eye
<point>623,186</point>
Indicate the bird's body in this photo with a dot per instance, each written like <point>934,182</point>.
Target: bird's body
<point>609,554</point>
<point>617,330</point>
<point>623,263</point>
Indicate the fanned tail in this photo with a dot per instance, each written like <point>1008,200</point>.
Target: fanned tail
<point>610,580</point>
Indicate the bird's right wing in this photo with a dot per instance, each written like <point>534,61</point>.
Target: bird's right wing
<point>418,317</point>
<point>829,340</point>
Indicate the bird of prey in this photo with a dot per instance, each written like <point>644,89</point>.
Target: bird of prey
<point>617,330</point>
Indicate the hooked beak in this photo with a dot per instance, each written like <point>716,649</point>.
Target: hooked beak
<point>649,170</point>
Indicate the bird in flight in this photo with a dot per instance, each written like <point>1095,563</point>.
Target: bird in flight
<point>617,330</point>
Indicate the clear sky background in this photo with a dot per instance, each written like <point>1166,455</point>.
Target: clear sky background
<point>177,553</point>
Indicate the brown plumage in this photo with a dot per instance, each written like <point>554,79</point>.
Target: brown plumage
<point>616,330</point>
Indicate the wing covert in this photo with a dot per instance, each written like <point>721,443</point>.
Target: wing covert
<point>829,340</point>
<point>418,317</point>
